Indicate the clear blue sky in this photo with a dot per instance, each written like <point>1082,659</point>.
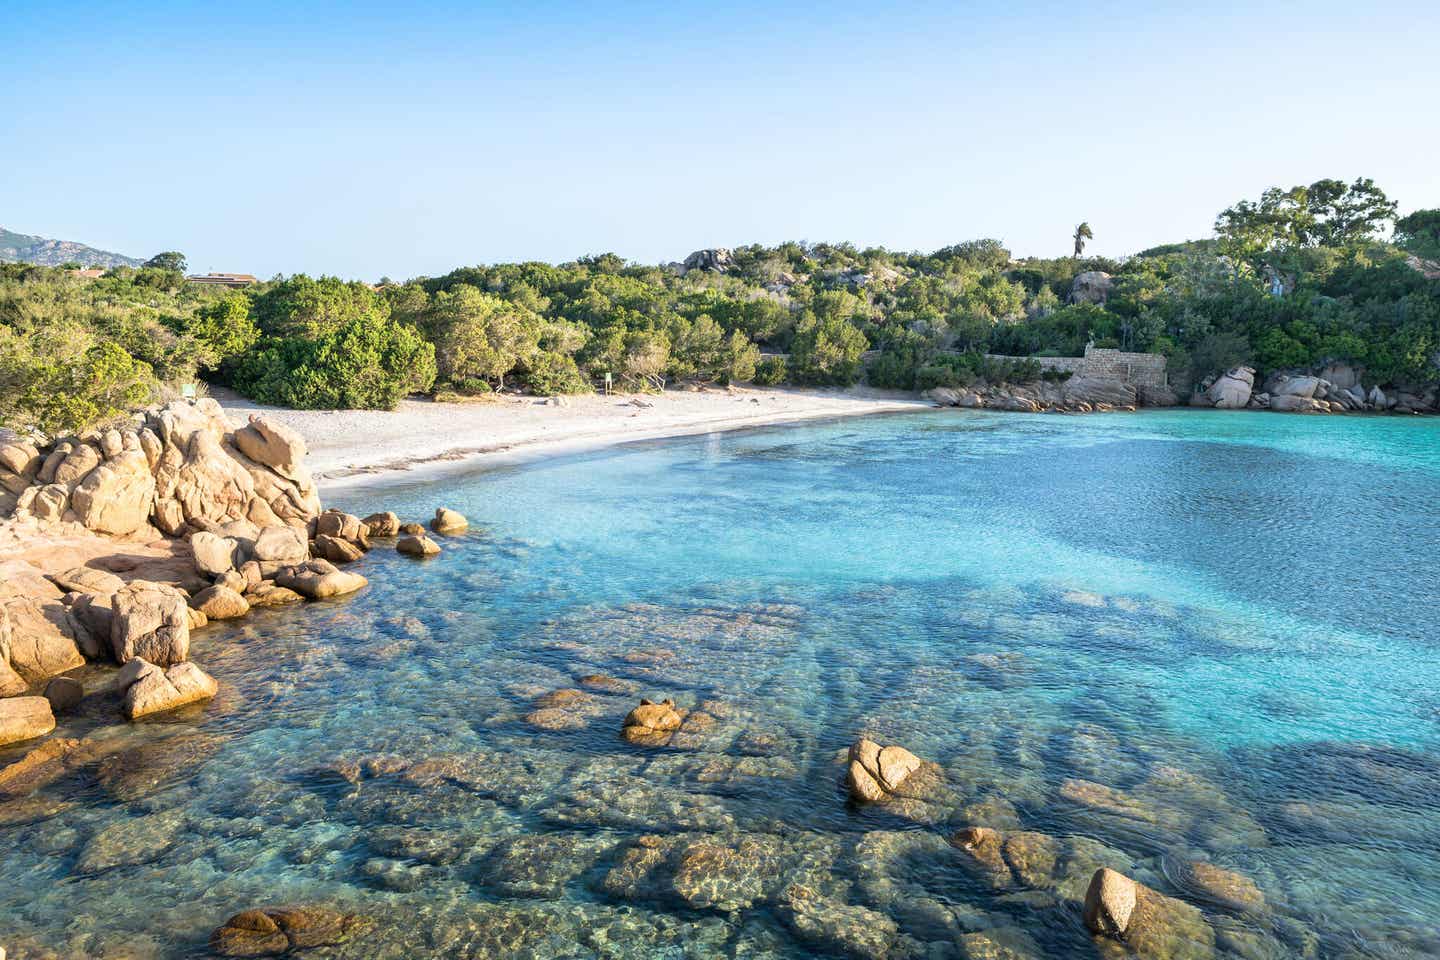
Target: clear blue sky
<point>369,139</point>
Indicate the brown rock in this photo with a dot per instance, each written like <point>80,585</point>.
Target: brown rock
<point>275,930</point>
<point>150,621</point>
<point>76,465</point>
<point>345,526</point>
<point>267,594</point>
<point>37,637</point>
<point>220,603</point>
<point>115,497</point>
<point>24,718</point>
<point>319,579</point>
<point>382,524</point>
<point>149,689</point>
<point>412,529</point>
<point>417,546</point>
<point>86,580</point>
<point>875,772</point>
<point>281,545</point>
<point>275,445</point>
<point>64,694</point>
<point>651,723</point>
<point>214,554</point>
<point>1110,902</point>
<point>449,521</point>
<point>335,549</point>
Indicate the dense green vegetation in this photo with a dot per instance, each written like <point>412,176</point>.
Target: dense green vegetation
<point>1296,278</point>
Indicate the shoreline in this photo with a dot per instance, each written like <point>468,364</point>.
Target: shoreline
<point>426,439</point>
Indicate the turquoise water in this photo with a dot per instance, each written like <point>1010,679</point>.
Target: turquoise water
<point>1226,620</point>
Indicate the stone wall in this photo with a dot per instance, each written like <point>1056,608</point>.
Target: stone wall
<point>1104,363</point>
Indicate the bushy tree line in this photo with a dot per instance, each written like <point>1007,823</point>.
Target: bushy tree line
<point>1297,278</point>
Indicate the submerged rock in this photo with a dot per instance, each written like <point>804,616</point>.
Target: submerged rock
<point>272,931</point>
<point>40,766</point>
<point>131,841</point>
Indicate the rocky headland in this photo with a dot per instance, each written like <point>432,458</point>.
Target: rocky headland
<point>117,545</point>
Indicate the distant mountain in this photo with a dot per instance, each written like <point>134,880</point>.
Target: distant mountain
<point>22,248</point>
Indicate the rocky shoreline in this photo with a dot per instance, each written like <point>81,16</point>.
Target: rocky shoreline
<point>1337,388</point>
<point>179,521</point>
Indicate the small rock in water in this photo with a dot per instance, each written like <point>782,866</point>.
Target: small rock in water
<point>64,694</point>
<point>417,546</point>
<point>449,521</point>
<point>149,689</point>
<point>413,529</point>
<point>877,772</point>
<point>384,524</point>
<point>652,724</point>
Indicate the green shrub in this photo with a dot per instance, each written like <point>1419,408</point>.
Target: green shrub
<point>365,363</point>
<point>548,373</point>
<point>770,371</point>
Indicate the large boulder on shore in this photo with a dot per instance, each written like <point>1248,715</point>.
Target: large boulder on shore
<point>116,496</point>
<point>1232,391</point>
<point>38,639</point>
<point>24,718</point>
<point>281,545</point>
<point>198,483</point>
<point>148,689</point>
<point>214,555</point>
<point>149,621</point>
<point>274,445</point>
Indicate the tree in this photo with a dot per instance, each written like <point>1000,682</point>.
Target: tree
<point>479,336</point>
<point>169,260</point>
<point>1327,213</point>
<point>1082,233</point>
<point>1419,233</point>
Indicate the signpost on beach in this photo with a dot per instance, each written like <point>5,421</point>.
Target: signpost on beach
<point>607,383</point>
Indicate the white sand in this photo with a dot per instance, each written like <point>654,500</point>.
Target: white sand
<point>364,445</point>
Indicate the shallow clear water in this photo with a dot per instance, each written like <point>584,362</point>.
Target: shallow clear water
<point>1158,638</point>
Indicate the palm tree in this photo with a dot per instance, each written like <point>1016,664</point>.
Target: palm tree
<point>1082,233</point>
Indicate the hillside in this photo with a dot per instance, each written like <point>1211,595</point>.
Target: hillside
<point>22,248</point>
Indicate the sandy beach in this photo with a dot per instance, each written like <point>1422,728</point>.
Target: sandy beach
<point>347,446</point>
